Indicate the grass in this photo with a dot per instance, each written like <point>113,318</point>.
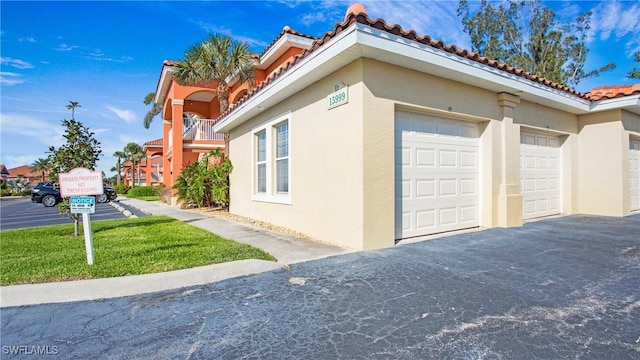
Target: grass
<point>121,247</point>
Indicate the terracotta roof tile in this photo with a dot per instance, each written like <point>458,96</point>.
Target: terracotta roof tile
<point>610,92</point>
<point>362,18</point>
<point>285,30</point>
<point>153,143</point>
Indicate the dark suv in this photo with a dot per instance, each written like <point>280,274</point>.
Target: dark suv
<point>44,192</point>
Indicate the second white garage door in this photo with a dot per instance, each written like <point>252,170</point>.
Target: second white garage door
<point>539,174</point>
<point>437,175</point>
<point>634,173</point>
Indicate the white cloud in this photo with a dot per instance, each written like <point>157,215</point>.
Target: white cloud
<point>438,19</point>
<point>28,128</point>
<point>10,79</point>
<point>30,39</point>
<point>16,63</point>
<point>65,47</point>
<point>215,29</point>
<point>612,18</point>
<point>126,115</point>
<point>12,160</point>
<point>98,55</point>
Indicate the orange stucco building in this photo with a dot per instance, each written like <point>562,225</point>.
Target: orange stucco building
<point>189,112</point>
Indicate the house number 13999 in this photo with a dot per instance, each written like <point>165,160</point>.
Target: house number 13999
<point>338,98</point>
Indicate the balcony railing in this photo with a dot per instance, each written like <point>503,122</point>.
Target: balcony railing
<point>201,129</point>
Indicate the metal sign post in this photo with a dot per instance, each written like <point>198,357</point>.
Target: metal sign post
<point>74,184</point>
<point>85,205</point>
<point>88,239</point>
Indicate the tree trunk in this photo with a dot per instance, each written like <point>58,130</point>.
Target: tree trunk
<point>119,182</point>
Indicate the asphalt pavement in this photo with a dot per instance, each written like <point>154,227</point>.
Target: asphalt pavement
<point>20,212</point>
<point>563,288</point>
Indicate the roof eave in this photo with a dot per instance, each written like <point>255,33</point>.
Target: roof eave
<point>362,41</point>
<point>163,84</point>
<point>629,103</point>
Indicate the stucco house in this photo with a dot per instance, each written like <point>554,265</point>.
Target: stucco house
<point>375,134</point>
<point>189,112</point>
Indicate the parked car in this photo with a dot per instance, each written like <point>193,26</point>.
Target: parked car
<point>44,192</point>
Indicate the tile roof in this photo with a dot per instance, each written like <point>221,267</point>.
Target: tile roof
<point>357,14</point>
<point>610,92</point>
<point>285,30</point>
<point>153,143</point>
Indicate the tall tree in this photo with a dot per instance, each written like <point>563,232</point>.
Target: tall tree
<point>153,112</point>
<point>119,155</point>
<point>134,154</point>
<point>217,59</point>
<point>80,150</point>
<point>72,106</point>
<point>635,72</point>
<point>528,35</point>
<point>40,165</point>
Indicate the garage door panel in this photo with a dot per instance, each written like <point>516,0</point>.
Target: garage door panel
<point>634,174</point>
<point>426,158</point>
<point>425,189</point>
<point>426,219</point>
<point>540,174</point>
<point>444,178</point>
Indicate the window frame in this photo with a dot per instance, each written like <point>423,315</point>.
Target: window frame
<point>270,128</point>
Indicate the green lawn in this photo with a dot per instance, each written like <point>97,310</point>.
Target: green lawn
<point>121,247</point>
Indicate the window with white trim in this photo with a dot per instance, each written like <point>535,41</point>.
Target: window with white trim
<point>282,158</point>
<point>271,161</point>
<point>261,162</point>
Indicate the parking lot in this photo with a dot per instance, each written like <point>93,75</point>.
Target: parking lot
<point>20,212</point>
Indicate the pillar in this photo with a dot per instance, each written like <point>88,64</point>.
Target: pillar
<point>176,125</point>
<point>510,196</point>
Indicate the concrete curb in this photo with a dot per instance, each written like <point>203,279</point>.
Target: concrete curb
<point>106,288</point>
<point>124,211</point>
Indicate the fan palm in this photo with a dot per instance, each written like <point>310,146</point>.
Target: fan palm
<point>134,153</point>
<point>40,165</point>
<point>72,106</point>
<point>120,155</point>
<point>153,112</point>
<point>218,59</point>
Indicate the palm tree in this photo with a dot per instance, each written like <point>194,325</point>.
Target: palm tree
<point>72,106</point>
<point>153,112</point>
<point>120,155</point>
<point>134,153</point>
<point>218,59</point>
<point>40,165</point>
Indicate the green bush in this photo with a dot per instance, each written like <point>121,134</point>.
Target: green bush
<point>204,184</point>
<point>24,192</point>
<point>140,191</point>
<point>121,189</point>
<point>5,192</point>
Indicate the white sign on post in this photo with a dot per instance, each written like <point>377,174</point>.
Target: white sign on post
<point>76,183</point>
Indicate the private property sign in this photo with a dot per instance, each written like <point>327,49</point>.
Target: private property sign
<point>80,181</point>
<point>77,182</point>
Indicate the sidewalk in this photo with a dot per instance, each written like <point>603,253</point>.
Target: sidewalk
<point>286,249</point>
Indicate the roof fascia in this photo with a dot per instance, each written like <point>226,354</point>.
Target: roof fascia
<point>163,84</point>
<point>283,44</point>
<point>424,58</point>
<point>360,40</point>
<point>321,62</point>
<point>629,103</point>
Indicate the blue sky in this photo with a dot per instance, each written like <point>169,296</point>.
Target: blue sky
<point>108,55</point>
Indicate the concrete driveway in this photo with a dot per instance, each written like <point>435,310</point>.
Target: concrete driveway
<point>564,288</point>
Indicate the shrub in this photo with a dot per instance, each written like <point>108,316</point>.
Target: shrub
<point>204,184</point>
<point>140,191</point>
<point>121,189</point>
<point>5,192</point>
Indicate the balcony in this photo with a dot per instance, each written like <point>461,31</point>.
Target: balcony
<point>200,129</point>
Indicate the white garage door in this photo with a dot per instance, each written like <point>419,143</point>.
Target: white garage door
<point>437,175</point>
<point>634,173</point>
<point>539,174</point>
